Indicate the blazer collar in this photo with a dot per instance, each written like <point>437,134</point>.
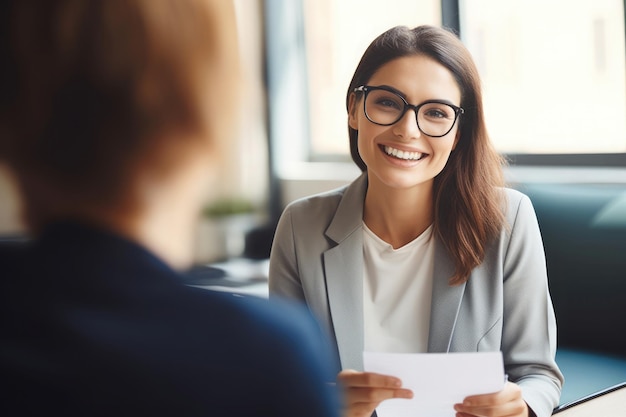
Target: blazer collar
<point>343,265</point>
<point>349,214</point>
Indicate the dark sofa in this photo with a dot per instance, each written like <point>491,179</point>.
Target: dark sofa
<point>584,233</point>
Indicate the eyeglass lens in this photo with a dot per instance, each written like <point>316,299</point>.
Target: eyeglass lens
<point>386,108</point>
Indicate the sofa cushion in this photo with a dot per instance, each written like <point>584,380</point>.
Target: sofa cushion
<point>584,234</point>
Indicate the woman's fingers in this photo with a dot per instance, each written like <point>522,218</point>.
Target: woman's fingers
<point>507,402</point>
<point>371,387</point>
<point>354,378</point>
<point>510,409</point>
<point>364,391</point>
<point>372,394</point>
<point>510,392</point>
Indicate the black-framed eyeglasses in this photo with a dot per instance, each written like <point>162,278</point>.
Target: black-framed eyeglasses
<point>384,107</point>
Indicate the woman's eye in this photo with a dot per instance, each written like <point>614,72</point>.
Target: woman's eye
<point>388,103</point>
<point>435,113</point>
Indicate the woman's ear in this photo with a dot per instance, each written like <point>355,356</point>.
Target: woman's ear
<point>352,112</point>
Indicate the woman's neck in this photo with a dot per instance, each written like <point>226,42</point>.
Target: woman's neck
<point>398,216</point>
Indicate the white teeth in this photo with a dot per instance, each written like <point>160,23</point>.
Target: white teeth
<point>402,154</point>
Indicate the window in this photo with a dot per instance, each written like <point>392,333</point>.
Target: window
<point>553,73</point>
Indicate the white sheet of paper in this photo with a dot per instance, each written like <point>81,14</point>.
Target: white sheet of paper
<point>438,380</point>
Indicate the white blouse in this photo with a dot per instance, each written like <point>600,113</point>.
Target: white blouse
<point>397,293</point>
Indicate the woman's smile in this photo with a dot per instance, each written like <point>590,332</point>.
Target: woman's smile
<point>403,155</point>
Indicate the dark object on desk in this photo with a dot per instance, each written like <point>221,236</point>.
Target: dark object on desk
<point>258,241</point>
<point>205,272</point>
<point>207,275</point>
<point>610,402</point>
<point>13,240</point>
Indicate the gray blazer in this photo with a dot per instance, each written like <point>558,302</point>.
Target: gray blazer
<point>317,257</point>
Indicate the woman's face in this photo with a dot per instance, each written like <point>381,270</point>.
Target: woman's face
<point>418,78</point>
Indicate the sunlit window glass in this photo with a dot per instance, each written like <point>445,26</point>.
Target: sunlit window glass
<point>337,33</point>
<point>553,72</point>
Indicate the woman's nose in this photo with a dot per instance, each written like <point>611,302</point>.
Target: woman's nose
<point>407,127</point>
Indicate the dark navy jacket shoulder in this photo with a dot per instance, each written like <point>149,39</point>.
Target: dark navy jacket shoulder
<point>94,324</point>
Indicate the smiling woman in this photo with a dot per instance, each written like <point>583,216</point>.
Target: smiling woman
<point>402,133</point>
<point>467,213</point>
<point>425,251</point>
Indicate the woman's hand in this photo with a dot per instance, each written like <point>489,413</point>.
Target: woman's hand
<point>365,390</point>
<point>508,402</point>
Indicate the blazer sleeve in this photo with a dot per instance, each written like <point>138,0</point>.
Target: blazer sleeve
<point>529,330</point>
<point>284,279</point>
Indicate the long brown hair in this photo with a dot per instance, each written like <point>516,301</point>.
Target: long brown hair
<point>467,200</point>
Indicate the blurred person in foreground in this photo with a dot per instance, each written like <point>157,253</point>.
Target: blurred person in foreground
<point>111,119</point>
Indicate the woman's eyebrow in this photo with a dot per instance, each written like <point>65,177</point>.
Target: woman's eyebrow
<point>401,94</point>
<point>392,89</point>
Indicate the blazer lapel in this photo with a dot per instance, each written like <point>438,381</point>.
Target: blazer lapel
<point>445,304</point>
<point>343,267</point>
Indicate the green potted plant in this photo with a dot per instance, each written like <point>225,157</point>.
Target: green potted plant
<point>224,224</point>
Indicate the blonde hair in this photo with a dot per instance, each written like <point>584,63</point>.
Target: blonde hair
<point>97,90</point>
